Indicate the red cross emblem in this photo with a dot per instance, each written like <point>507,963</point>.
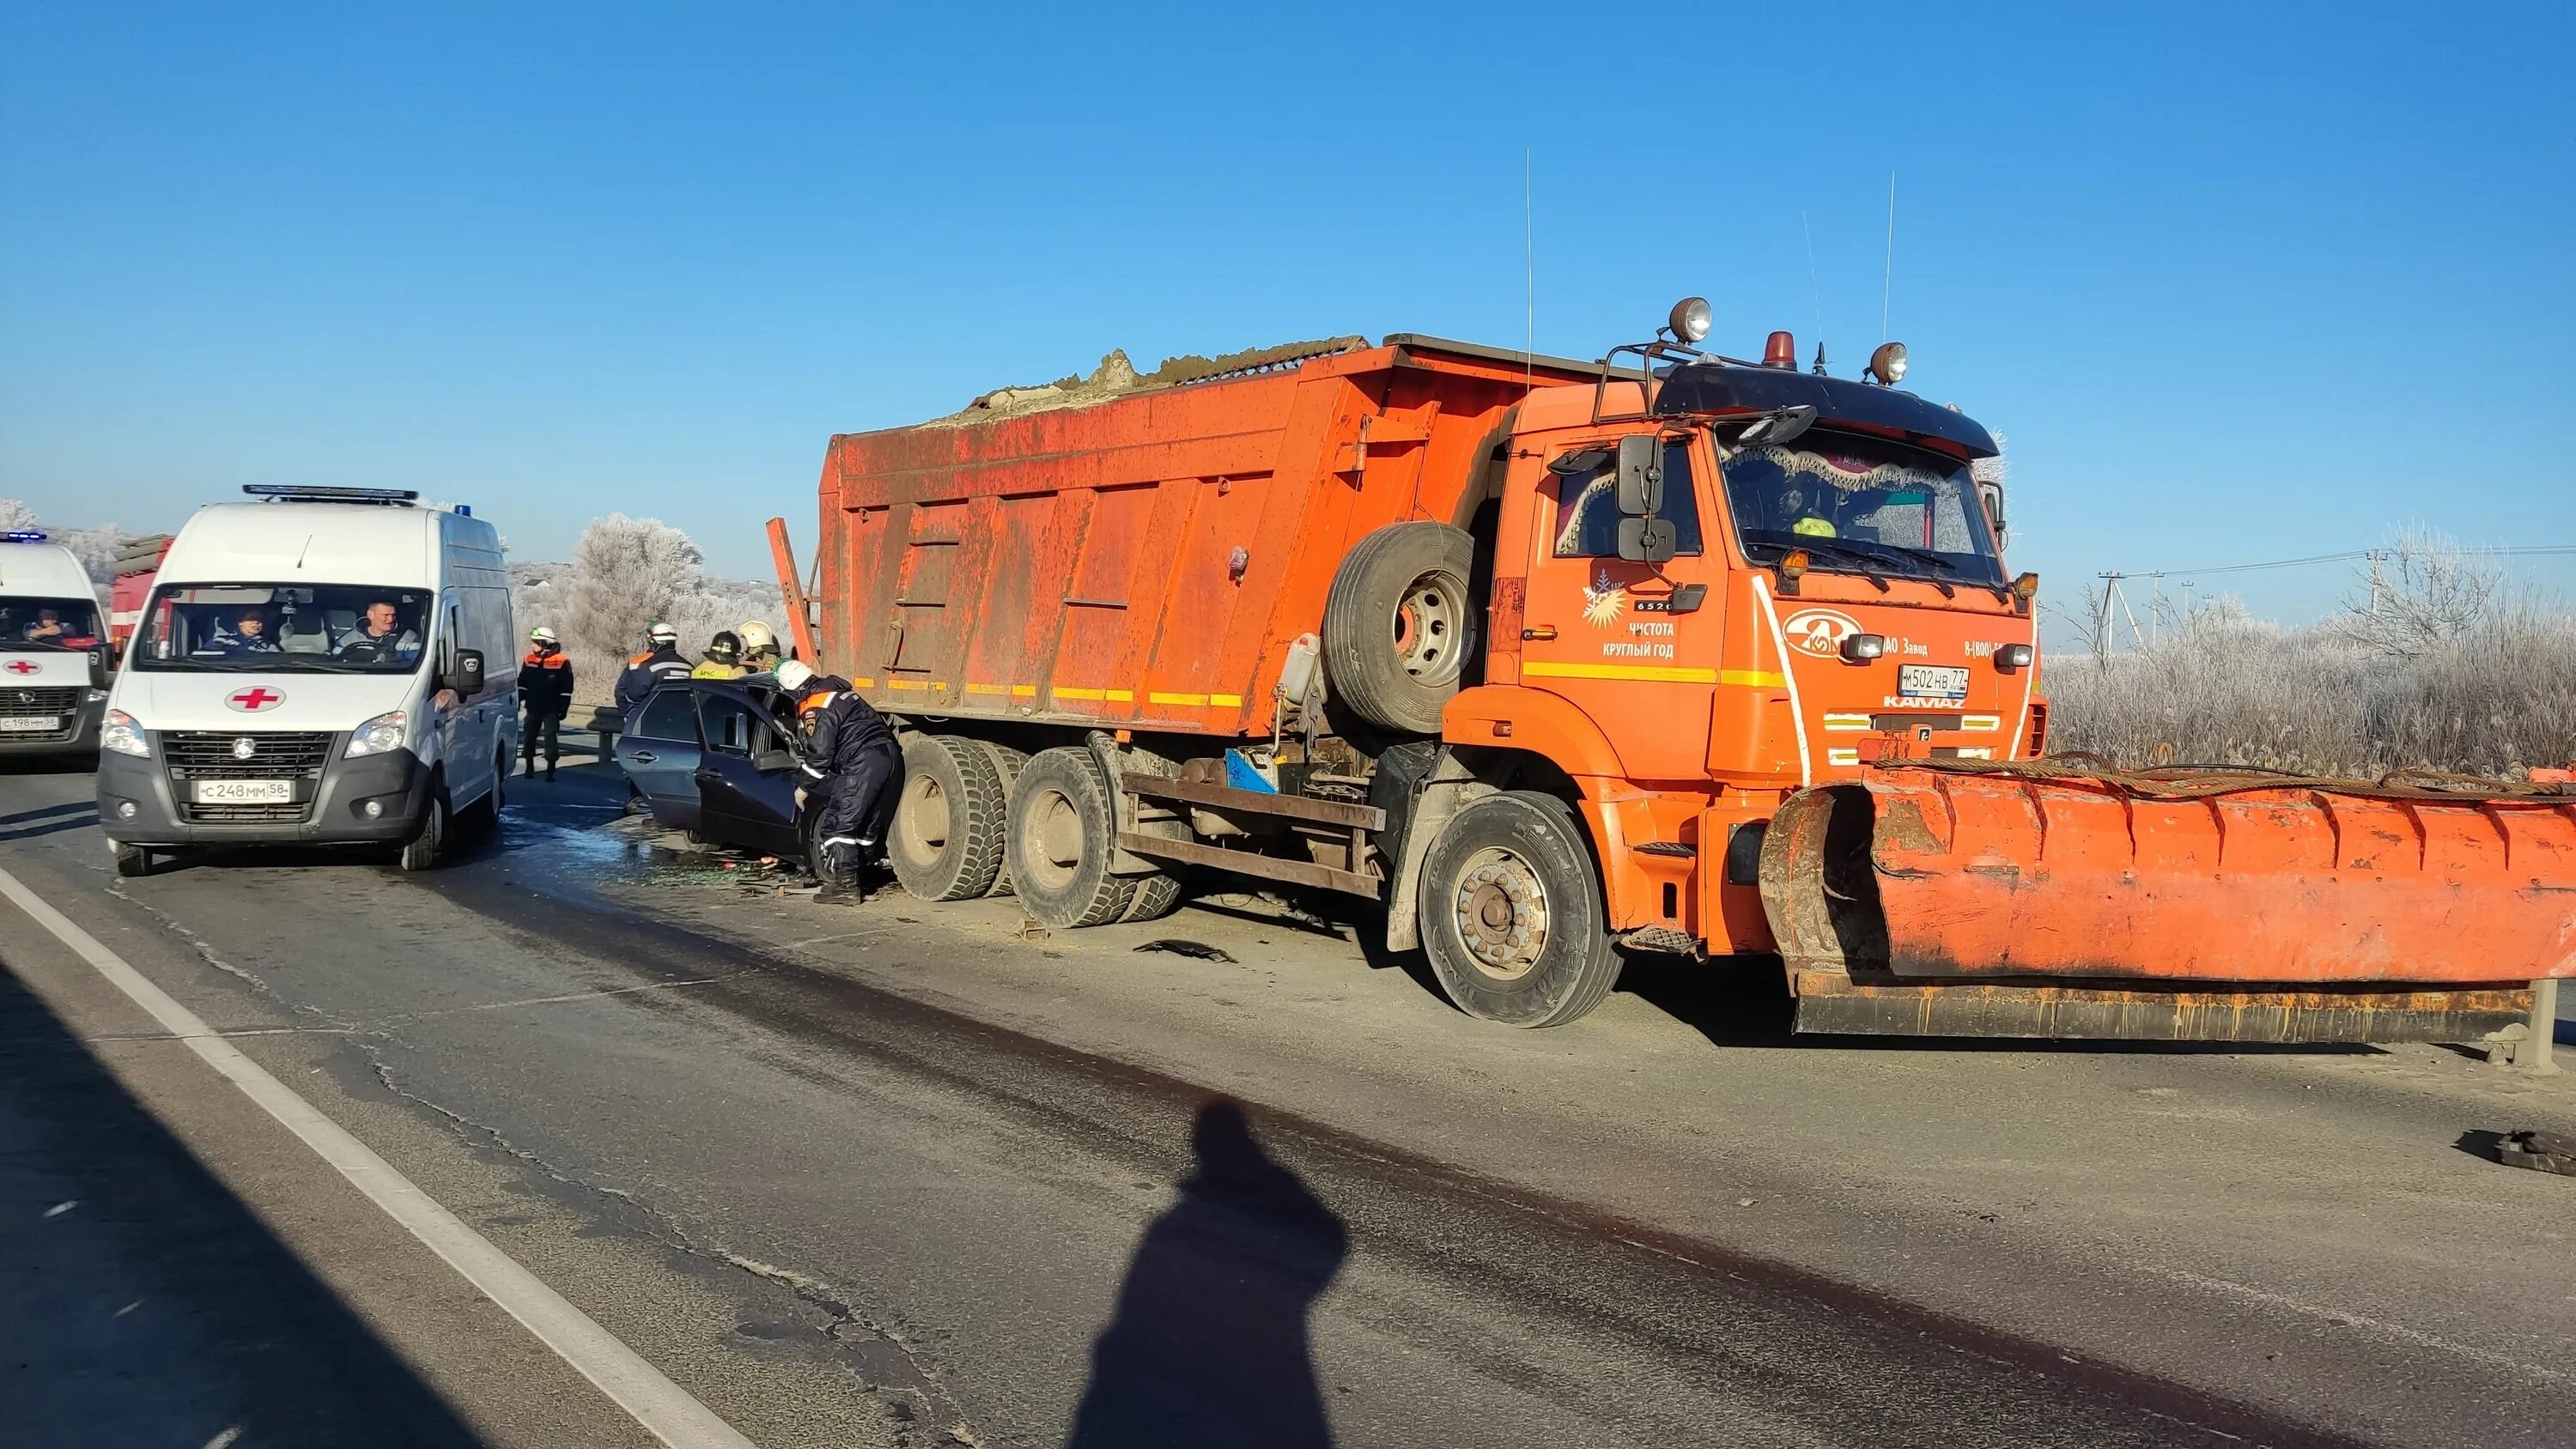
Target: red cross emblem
<point>20,666</point>
<point>254,699</point>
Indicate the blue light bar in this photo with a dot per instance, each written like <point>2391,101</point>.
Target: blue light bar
<point>297,493</point>
<point>23,535</point>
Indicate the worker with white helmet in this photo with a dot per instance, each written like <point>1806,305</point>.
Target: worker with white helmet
<point>850,760</point>
<point>657,665</point>
<point>759,646</point>
<point>545,697</point>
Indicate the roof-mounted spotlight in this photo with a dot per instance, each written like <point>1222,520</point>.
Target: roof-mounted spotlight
<point>1690,320</point>
<point>1887,364</point>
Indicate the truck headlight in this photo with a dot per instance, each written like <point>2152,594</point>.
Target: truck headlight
<point>120,733</point>
<point>379,736</point>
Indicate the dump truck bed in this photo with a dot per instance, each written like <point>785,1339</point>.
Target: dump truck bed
<point>1146,561</point>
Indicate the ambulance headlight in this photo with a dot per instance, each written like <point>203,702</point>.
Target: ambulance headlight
<point>379,736</point>
<point>121,734</point>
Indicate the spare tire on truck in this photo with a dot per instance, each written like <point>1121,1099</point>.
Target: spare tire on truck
<point>1400,624</point>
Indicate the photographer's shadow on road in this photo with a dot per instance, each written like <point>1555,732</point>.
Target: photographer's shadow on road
<point>1209,1345</point>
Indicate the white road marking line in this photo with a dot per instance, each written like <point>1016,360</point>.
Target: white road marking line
<point>2344,1318</point>
<point>665,1409</point>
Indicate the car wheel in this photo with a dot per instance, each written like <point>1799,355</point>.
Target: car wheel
<point>945,841</point>
<point>1063,838</point>
<point>428,843</point>
<point>1512,915</point>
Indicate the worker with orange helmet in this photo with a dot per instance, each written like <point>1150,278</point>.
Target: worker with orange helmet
<point>851,760</point>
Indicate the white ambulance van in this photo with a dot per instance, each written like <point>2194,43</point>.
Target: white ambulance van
<point>327,666</point>
<point>53,651</point>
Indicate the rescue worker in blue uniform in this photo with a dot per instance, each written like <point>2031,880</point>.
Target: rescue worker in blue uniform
<point>545,694</point>
<point>658,665</point>
<point>851,761</point>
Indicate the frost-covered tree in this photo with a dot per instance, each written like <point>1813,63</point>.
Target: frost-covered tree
<point>14,514</point>
<point>626,574</point>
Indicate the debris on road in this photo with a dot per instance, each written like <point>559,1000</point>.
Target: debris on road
<point>1195,950</point>
<point>2539,1151</point>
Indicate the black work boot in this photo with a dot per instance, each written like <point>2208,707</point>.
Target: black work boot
<point>550,772</point>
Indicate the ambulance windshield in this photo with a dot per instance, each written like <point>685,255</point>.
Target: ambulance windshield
<point>291,628</point>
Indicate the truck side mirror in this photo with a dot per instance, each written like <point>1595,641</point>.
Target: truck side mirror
<point>1992,496</point>
<point>1647,540</point>
<point>466,676</point>
<point>1641,476</point>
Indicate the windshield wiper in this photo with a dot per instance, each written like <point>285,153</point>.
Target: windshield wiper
<point>1860,560</point>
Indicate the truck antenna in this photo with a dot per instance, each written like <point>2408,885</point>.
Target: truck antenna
<point>1529,262</point>
<point>1815,288</point>
<point>1887,292</point>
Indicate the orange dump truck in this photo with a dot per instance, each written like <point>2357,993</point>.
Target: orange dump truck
<point>1556,658</point>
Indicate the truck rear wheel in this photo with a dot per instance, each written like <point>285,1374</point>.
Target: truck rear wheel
<point>1063,838</point>
<point>1007,764</point>
<point>1512,915</point>
<point>1400,624</point>
<point>946,840</point>
<point>1157,896</point>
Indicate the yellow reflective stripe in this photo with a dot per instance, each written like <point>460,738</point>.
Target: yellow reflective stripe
<point>1023,691</point>
<point>1981,722</point>
<point>911,684</point>
<point>1758,678</point>
<point>1842,757</point>
<point>1158,697</point>
<point>988,689</point>
<point>1094,695</point>
<point>1658,673</point>
<point>1120,696</point>
<point>1846,723</point>
<point>1230,701</point>
<point>863,684</point>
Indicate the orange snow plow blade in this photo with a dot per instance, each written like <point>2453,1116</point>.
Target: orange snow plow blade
<point>2051,898</point>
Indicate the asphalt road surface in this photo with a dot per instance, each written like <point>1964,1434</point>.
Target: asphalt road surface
<point>900,1174</point>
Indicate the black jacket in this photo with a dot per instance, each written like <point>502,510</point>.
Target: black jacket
<point>845,728</point>
<point>545,685</point>
<point>644,671</point>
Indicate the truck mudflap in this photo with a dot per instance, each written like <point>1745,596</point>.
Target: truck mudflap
<point>2064,898</point>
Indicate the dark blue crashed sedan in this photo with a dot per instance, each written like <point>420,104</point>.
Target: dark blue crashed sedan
<point>716,758</point>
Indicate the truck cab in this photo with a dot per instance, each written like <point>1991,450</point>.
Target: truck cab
<point>53,649</point>
<point>1723,582</point>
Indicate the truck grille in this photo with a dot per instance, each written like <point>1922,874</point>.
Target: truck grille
<point>192,755</point>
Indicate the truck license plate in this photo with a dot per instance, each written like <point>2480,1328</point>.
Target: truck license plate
<point>245,792</point>
<point>42,724</point>
<point>1931,681</point>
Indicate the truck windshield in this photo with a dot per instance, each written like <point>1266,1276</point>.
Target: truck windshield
<point>290,628</point>
<point>1862,505</point>
<point>31,622</point>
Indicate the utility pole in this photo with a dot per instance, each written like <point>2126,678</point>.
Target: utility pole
<point>2376,584</point>
<point>2102,608</point>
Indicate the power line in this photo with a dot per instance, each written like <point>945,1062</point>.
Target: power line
<point>2357,554</point>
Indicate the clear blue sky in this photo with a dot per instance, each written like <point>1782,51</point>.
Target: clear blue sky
<point>2238,282</point>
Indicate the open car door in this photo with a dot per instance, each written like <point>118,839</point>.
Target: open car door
<point>746,777</point>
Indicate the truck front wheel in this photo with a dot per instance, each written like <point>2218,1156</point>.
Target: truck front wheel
<point>1064,837</point>
<point>1512,915</point>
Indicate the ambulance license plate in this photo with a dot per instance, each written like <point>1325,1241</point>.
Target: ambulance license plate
<point>245,792</point>
<point>41,724</point>
<point>1931,681</point>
